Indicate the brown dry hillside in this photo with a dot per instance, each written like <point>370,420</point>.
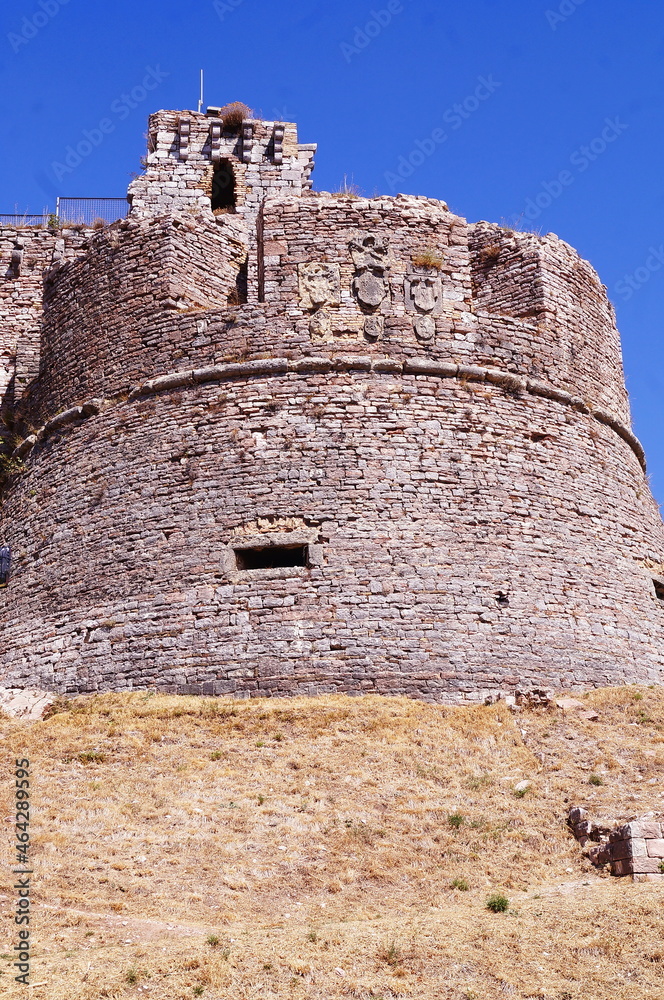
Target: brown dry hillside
<point>321,848</point>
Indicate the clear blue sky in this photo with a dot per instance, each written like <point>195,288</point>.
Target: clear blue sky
<point>556,71</point>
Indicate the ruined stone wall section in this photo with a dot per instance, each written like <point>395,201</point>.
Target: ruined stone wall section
<point>635,848</point>
<point>98,335</point>
<point>584,324</point>
<point>25,254</point>
<point>366,252</point>
<point>543,311</point>
<point>339,276</point>
<point>469,541</point>
<point>180,163</point>
<point>506,271</point>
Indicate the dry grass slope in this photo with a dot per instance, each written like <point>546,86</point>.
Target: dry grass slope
<point>333,847</point>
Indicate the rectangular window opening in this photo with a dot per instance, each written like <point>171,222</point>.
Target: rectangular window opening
<point>659,590</point>
<point>272,557</point>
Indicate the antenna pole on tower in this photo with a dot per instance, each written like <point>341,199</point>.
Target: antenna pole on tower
<point>200,102</point>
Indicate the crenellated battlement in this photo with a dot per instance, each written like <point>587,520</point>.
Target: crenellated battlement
<point>196,162</point>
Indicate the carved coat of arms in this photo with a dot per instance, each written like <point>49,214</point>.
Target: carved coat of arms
<point>320,285</point>
<point>423,295</point>
<point>369,285</point>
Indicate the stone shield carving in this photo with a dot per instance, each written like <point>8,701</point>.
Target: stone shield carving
<point>368,250</point>
<point>424,292</point>
<point>320,325</point>
<point>320,285</point>
<point>425,328</point>
<point>374,327</point>
<point>369,285</point>
<point>369,289</point>
<point>423,295</point>
<point>370,257</point>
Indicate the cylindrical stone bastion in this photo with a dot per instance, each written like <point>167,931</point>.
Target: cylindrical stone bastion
<point>322,443</point>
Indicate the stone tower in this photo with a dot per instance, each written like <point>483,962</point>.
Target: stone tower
<point>264,440</point>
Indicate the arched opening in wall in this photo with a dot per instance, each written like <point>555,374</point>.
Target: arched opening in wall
<point>223,188</point>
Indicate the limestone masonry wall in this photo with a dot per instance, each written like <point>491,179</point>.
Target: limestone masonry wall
<point>98,309</point>
<point>25,254</point>
<point>432,414</point>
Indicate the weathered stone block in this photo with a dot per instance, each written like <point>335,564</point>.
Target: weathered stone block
<point>621,867</point>
<point>629,849</point>
<point>655,848</point>
<point>643,866</point>
<point>642,829</point>
<point>601,855</point>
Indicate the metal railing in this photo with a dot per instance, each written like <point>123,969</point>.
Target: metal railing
<point>87,211</point>
<point>18,220</point>
<point>71,211</point>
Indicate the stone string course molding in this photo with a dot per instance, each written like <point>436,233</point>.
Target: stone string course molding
<point>322,365</point>
<point>435,409</point>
